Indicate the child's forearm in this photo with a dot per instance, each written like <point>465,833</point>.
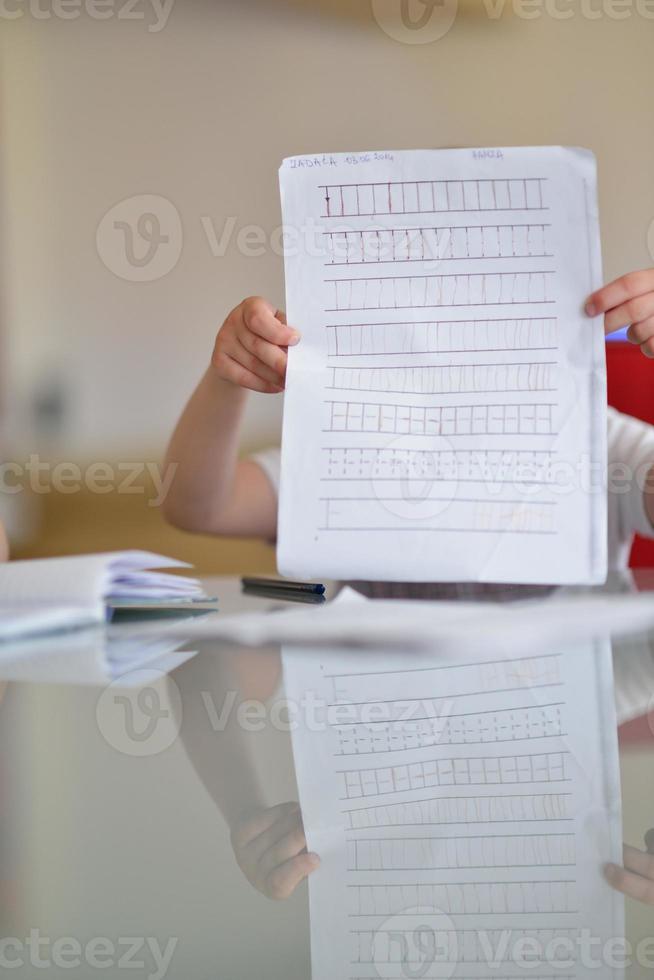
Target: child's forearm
<point>203,453</point>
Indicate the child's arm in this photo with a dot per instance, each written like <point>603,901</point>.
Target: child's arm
<point>629,302</point>
<point>268,842</point>
<point>4,544</point>
<point>212,491</point>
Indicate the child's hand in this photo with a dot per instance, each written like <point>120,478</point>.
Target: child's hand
<point>628,301</point>
<point>636,879</point>
<point>271,850</point>
<point>250,348</point>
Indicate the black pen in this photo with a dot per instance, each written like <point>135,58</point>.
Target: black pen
<point>283,585</point>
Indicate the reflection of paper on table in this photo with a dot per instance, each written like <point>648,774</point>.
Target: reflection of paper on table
<point>462,807</point>
<point>91,657</point>
<point>447,378</point>
<point>439,627</point>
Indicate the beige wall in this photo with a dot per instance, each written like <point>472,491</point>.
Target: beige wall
<point>202,112</point>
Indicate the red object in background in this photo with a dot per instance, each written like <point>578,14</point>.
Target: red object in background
<point>631,390</point>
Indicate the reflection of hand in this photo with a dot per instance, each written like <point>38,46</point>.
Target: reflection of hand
<point>636,878</point>
<point>271,850</point>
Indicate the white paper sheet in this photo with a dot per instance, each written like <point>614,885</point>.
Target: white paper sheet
<point>444,414</point>
<point>462,810</point>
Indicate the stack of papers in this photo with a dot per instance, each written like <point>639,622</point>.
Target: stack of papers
<point>59,593</point>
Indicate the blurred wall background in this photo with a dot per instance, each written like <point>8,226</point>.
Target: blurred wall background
<point>197,105</point>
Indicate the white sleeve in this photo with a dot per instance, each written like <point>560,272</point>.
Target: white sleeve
<point>630,456</point>
<point>270,462</point>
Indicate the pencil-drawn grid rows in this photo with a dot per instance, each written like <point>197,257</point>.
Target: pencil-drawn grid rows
<point>432,197</point>
<point>432,811</point>
<point>450,242</point>
<point>450,289</point>
<point>465,771</point>
<point>448,853</point>
<point>471,728</point>
<point>381,946</point>
<point>483,465</point>
<point>465,898</point>
<point>450,379</point>
<point>447,420</point>
<point>441,336</point>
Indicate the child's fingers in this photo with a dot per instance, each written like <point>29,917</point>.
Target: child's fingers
<point>640,333</point>
<point>289,823</point>
<point>289,846</point>
<point>259,318</point>
<point>640,862</point>
<point>259,822</point>
<point>238,353</point>
<point>239,375</point>
<point>634,311</point>
<point>629,883</point>
<point>271,354</point>
<point>282,882</point>
<point>620,291</point>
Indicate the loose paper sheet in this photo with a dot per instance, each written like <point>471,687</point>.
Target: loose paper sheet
<point>463,812</point>
<point>444,414</point>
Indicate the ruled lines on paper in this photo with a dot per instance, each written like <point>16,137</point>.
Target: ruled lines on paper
<point>453,811</point>
<point>418,292</point>
<point>413,822</point>
<point>445,242</point>
<point>505,418</point>
<point>441,337</point>
<point>361,353</point>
